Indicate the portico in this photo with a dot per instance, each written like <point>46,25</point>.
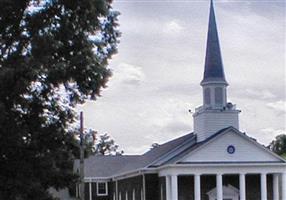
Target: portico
<point>269,175</point>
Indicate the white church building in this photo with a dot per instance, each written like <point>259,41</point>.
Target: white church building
<point>215,162</point>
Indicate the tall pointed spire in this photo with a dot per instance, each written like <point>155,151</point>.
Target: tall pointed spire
<point>213,61</point>
<point>216,113</point>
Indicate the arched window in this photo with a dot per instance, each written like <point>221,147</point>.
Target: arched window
<point>218,96</point>
<point>207,96</point>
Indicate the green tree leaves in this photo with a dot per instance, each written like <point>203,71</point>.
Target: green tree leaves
<point>53,55</point>
<point>279,145</point>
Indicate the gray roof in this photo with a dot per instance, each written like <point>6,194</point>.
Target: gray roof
<point>107,166</point>
<point>168,153</point>
<point>213,61</point>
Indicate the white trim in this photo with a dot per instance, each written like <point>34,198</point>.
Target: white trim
<point>224,165</point>
<point>133,173</point>
<point>97,179</point>
<point>169,154</point>
<point>106,189</point>
<point>187,169</point>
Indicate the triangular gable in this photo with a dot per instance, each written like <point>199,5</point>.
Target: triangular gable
<point>221,147</point>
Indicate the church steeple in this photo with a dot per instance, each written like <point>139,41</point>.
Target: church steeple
<point>216,113</point>
<point>213,61</point>
<point>214,83</point>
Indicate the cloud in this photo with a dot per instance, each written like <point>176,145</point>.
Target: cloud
<point>173,27</point>
<point>269,134</point>
<point>279,106</point>
<point>127,74</point>
<point>261,94</point>
<point>160,64</point>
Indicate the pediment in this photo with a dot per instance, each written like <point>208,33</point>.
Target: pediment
<point>231,146</point>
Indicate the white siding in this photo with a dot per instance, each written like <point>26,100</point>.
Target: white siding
<point>216,151</point>
<point>209,122</point>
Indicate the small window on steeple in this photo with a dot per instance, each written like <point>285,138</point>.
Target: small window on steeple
<point>207,96</point>
<point>218,96</point>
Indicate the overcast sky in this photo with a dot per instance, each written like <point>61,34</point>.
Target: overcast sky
<point>157,72</point>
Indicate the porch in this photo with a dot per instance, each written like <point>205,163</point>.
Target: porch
<point>253,182</point>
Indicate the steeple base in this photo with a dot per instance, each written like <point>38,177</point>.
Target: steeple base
<point>209,121</point>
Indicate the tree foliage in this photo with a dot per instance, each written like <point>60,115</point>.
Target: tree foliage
<point>106,146</point>
<point>53,55</point>
<point>95,144</point>
<point>279,145</point>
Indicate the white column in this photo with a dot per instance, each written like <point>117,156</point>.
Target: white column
<point>90,191</point>
<point>242,187</point>
<point>174,183</point>
<point>219,187</point>
<point>275,187</point>
<point>197,187</point>
<point>263,184</point>
<point>283,186</point>
<point>116,190</point>
<point>168,188</point>
<point>144,186</point>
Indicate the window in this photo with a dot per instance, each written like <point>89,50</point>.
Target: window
<point>218,96</point>
<point>207,96</point>
<point>102,189</point>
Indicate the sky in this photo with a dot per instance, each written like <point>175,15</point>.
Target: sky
<point>160,63</point>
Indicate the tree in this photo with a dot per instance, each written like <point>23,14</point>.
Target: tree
<point>279,145</point>
<point>106,146</point>
<point>53,55</point>
<point>95,145</point>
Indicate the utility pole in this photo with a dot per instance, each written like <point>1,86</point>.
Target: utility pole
<point>81,188</point>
